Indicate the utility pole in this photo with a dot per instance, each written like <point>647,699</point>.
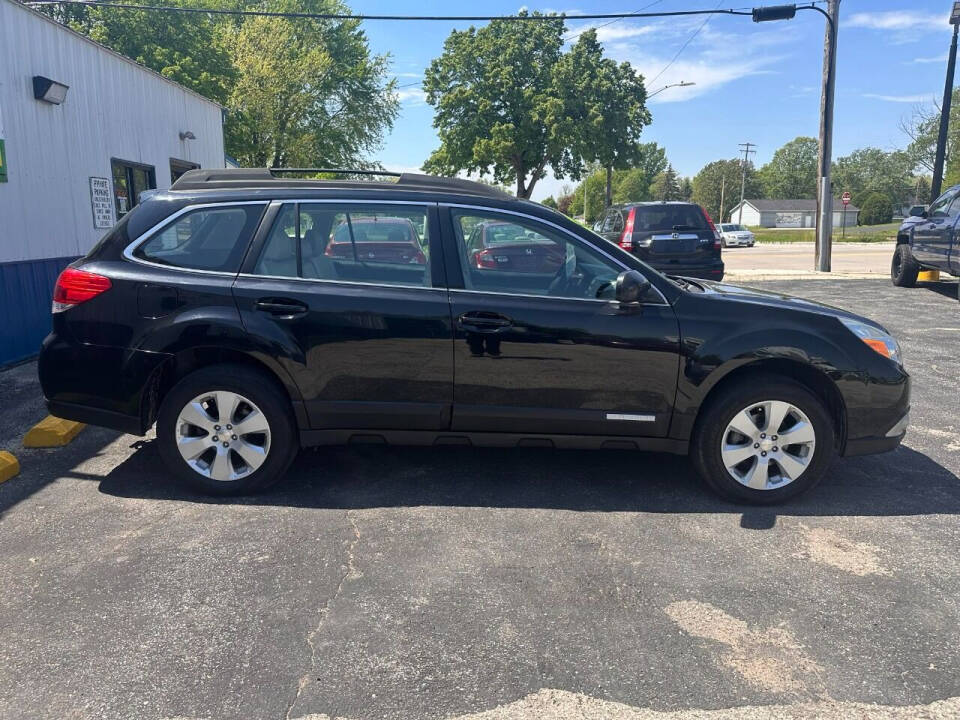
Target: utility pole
<point>608,196</point>
<point>937,181</point>
<point>743,175</point>
<point>723,187</point>
<point>824,190</point>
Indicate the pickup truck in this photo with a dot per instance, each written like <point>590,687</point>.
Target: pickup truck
<point>928,240</point>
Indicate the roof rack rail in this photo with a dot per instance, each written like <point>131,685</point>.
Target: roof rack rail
<point>238,177</point>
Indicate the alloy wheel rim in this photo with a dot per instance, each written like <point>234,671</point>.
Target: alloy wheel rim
<point>768,445</point>
<point>222,435</point>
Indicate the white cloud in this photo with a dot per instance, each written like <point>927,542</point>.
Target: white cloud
<point>898,20</point>
<point>415,75</point>
<point>937,59</point>
<point>608,32</point>
<point>412,96</point>
<point>899,98</point>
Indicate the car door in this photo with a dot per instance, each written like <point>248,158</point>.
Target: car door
<point>931,238</point>
<point>365,334</point>
<point>940,243</point>
<point>612,225</point>
<point>545,348</point>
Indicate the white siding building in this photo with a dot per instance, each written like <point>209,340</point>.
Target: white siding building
<point>71,169</point>
<point>789,213</point>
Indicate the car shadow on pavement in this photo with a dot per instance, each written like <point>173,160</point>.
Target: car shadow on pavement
<point>947,289</point>
<point>904,482</point>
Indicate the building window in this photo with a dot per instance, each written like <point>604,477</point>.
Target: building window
<point>179,167</point>
<point>129,180</point>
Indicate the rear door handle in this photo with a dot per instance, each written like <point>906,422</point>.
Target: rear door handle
<point>282,308</point>
<point>480,321</point>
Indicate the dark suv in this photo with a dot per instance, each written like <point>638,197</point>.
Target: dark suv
<point>676,238</point>
<point>217,311</point>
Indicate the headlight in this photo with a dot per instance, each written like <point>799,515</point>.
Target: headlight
<point>875,338</point>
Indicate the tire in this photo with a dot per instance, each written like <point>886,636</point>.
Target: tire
<point>806,462</point>
<point>250,399</point>
<point>903,268</point>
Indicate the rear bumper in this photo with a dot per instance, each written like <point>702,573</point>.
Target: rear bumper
<point>96,384</point>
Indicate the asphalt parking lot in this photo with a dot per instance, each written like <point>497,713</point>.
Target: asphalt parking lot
<point>494,584</point>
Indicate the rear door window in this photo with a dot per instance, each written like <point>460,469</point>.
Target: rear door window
<point>384,245</point>
<point>209,238</point>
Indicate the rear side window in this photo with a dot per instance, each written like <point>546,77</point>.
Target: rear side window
<point>668,217</point>
<point>383,245</point>
<point>211,238</point>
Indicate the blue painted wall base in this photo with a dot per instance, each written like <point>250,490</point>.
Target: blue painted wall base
<point>26,291</point>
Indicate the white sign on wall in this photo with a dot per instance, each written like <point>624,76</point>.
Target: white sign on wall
<point>789,219</point>
<point>101,200</point>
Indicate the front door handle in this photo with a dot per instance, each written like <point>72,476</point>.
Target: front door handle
<point>282,308</point>
<point>485,322</point>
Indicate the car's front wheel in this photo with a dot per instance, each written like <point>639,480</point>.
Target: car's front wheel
<point>903,268</point>
<point>226,430</point>
<point>764,441</point>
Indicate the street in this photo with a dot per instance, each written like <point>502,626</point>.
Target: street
<point>464,583</point>
<point>789,258</point>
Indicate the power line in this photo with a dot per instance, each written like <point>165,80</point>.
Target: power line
<point>395,18</point>
<point>611,22</point>
<point>684,46</point>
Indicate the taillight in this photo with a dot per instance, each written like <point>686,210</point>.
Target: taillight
<point>77,286</point>
<point>626,237</point>
<point>485,259</point>
<point>717,244</point>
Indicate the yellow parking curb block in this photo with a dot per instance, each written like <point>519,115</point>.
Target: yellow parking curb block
<point>9,466</point>
<point>52,432</point>
<point>929,276</point>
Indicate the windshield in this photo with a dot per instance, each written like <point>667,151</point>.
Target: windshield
<point>731,228</point>
<point>379,231</point>
<point>669,217</point>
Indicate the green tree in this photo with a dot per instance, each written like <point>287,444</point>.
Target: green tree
<point>792,172</point>
<point>510,103</point>
<point>307,92</point>
<point>595,184</point>
<point>605,106</point>
<point>549,202</point>
<point>868,171</point>
<point>686,189</point>
<point>666,185</point>
<point>876,210</point>
<point>723,177</point>
<point>924,127</point>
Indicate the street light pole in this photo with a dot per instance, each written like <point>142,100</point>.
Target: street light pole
<point>824,191</point>
<point>937,181</point>
<point>743,175</point>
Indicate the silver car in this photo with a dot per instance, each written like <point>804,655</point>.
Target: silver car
<point>733,235</point>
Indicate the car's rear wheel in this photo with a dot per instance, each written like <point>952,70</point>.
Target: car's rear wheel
<point>903,268</point>
<point>226,430</point>
<point>763,441</point>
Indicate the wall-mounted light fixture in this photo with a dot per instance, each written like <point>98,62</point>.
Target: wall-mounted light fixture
<point>49,90</point>
<point>187,135</point>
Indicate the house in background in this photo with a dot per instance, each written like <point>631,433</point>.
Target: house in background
<point>790,213</point>
<point>83,132</point>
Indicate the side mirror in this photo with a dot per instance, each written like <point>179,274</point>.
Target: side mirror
<point>631,287</point>
<point>918,211</point>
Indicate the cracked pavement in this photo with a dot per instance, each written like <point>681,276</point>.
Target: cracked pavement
<point>491,584</point>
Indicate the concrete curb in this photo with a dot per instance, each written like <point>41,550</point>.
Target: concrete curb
<point>746,275</point>
<point>9,466</point>
<point>52,432</point>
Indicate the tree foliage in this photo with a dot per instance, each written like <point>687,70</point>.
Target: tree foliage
<point>876,209</point>
<point>509,102</point>
<point>870,171</point>
<point>792,171</point>
<point>723,177</point>
<point>923,127</point>
<point>303,92</point>
<point>666,185</point>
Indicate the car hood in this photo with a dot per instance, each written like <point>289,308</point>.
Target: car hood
<point>737,293</point>
<point>909,222</point>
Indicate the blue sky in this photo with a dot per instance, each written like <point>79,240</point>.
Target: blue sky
<point>754,82</point>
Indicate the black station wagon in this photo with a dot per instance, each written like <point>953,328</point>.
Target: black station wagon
<point>248,315</point>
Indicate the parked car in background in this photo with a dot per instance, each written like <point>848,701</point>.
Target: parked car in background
<point>929,240</point>
<point>733,235</point>
<point>380,239</point>
<point>676,238</point>
<point>213,311</point>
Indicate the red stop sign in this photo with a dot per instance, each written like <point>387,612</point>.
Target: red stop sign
<point>845,198</point>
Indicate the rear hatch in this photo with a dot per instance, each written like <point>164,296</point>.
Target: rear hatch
<point>533,256</point>
<point>672,232</point>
